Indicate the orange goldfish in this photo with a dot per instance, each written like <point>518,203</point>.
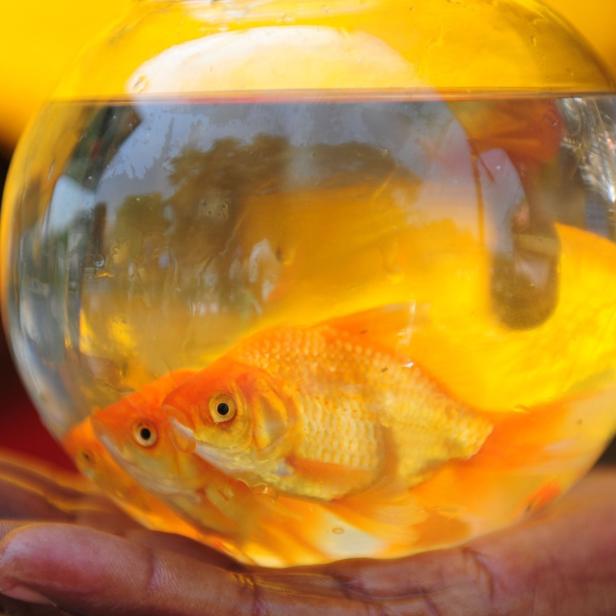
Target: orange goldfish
<point>136,433</point>
<point>324,412</point>
<point>252,525</point>
<point>95,462</point>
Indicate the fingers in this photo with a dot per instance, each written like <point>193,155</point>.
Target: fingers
<point>30,490</point>
<point>19,501</point>
<point>55,490</point>
<point>87,571</point>
<point>24,497</point>
<point>563,561</point>
<point>15,608</point>
<point>15,462</point>
<point>6,526</point>
<point>65,489</point>
<point>181,545</point>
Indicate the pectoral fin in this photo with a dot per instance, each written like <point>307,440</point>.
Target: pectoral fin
<point>324,481</point>
<point>386,509</point>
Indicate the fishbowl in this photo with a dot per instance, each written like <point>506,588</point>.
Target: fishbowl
<point>309,281</point>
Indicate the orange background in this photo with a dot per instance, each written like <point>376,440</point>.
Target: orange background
<point>38,40</point>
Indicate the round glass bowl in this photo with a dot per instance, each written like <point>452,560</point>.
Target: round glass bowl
<point>310,281</point>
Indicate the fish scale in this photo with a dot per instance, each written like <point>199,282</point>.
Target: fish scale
<point>325,425</point>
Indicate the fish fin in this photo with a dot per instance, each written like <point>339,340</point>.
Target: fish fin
<point>544,495</point>
<point>553,443</point>
<point>460,435</point>
<point>389,326</point>
<point>387,509</point>
<point>553,435</point>
<point>438,530</point>
<point>271,423</point>
<point>154,393</point>
<point>327,481</point>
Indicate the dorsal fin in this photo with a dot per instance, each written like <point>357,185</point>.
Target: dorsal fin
<point>389,326</point>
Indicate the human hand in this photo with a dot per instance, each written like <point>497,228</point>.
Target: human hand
<point>561,561</point>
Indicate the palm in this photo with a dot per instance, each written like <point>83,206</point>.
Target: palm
<point>62,542</point>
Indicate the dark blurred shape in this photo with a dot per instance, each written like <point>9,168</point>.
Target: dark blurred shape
<point>609,457</point>
<point>20,427</point>
<point>105,134</point>
<point>10,607</point>
<point>525,282</point>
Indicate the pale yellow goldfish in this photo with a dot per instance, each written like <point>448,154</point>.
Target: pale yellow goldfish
<point>325,411</point>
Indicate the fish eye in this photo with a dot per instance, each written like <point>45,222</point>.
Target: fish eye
<point>222,408</point>
<point>86,457</point>
<point>145,434</point>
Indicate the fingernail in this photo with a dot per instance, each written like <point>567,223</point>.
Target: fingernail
<point>22,593</point>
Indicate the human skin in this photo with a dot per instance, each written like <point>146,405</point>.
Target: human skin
<point>63,543</point>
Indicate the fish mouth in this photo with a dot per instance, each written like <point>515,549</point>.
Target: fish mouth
<point>232,462</point>
<point>224,460</point>
<point>166,486</point>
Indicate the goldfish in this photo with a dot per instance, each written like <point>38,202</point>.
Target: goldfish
<point>250,525</point>
<point>95,463</point>
<point>133,432</point>
<point>325,411</point>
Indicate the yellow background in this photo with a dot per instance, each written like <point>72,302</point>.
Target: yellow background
<point>39,38</point>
